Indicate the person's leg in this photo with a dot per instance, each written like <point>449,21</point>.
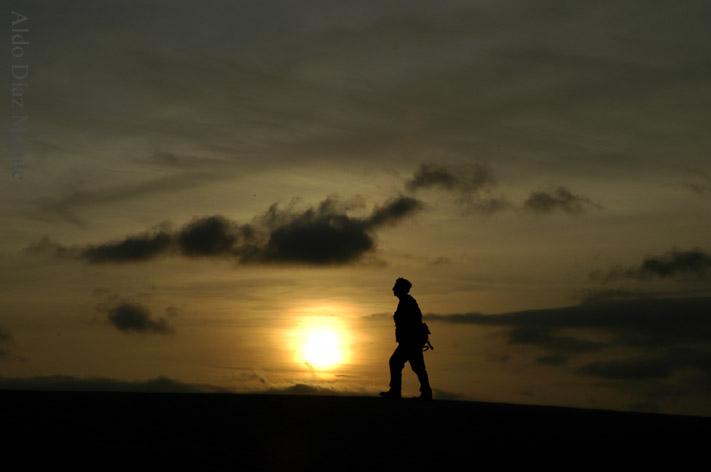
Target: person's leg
<point>397,363</point>
<point>417,362</point>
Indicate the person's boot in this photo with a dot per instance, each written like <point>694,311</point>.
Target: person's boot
<point>425,389</point>
<point>425,395</point>
<point>391,394</point>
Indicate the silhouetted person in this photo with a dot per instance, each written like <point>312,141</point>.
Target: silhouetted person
<point>411,336</point>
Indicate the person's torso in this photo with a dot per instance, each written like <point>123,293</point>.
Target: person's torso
<point>408,319</point>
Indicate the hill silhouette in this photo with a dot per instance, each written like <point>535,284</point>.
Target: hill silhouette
<point>289,432</point>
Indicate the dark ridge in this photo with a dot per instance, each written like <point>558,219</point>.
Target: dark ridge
<point>287,432</point>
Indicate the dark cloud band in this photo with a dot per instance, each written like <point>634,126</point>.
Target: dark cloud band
<point>466,181</point>
<point>667,335</point>
<point>557,199</point>
<point>321,235</point>
<point>676,263</point>
<point>6,344</point>
<point>471,185</point>
<point>131,249</point>
<point>640,322</point>
<point>130,317</point>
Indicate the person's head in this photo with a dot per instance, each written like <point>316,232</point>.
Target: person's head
<point>401,287</point>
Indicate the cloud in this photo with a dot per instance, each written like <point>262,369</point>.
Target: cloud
<point>553,359</point>
<point>47,247</point>
<point>664,336</point>
<point>693,262</point>
<point>329,390</point>
<point>675,263</point>
<point>651,365</point>
<point>7,344</point>
<point>394,210</point>
<point>324,235</point>
<point>131,249</point>
<point>639,368</point>
<point>211,236</point>
<point>131,317</point>
<point>702,185</point>
<point>102,384</point>
<point>636,322</point>
<point>543,338</point>
<point>472,185</point>
<point>321,235</point>
<point>557,199</point>
<point>306,389</point>
<point>466,181</point>
<point>318,239</point>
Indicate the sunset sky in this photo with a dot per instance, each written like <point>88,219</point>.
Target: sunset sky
<point>208,184</point>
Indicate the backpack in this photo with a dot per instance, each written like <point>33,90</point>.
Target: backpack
<point>426,336</point>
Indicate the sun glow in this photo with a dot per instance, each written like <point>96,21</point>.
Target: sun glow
<point>320,339</point>
<point>322,349</point>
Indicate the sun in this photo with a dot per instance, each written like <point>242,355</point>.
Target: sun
<point>322,349</point>
<point>320,336</point>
